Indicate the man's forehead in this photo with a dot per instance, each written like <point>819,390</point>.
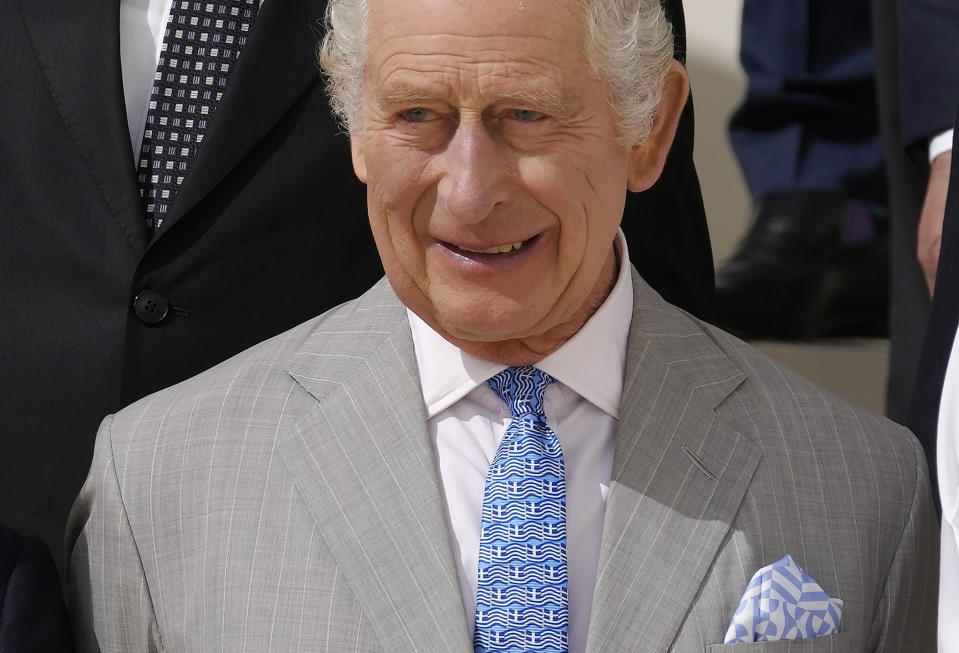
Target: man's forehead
<point>507,46</point>
<point>480,78</point>
<point>561,6</point>
<point>530,17</point>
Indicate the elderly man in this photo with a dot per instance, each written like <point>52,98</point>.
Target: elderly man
<point>514,444</point>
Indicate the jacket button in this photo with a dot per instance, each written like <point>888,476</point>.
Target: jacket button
<point>151,307</point>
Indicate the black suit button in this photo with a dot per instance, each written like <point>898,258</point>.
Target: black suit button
<point>151,307</point>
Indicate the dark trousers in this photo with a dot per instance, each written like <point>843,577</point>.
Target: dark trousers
<point>809,119</point>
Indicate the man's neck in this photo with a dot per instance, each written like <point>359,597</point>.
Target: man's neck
<point>531,349</point>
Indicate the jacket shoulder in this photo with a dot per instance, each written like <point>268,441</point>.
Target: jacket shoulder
<point>256,383</point>
<point>784,401</point>
<point>814,441</point>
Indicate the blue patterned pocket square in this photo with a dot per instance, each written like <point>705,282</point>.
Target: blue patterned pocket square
<point>783,602</point>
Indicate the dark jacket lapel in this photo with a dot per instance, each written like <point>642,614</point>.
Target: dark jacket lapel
<point>77,44</point>
<point>679,477</point>
<point>276,66</point>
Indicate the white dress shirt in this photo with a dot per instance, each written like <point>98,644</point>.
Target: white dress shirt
<point>467,421</point>
<point>142,23</point>
<point>939,144</point>
<point>947,464</point>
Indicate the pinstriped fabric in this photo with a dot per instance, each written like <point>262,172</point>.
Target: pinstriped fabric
<point>724,463</point>
<point>287,500</point>
<point>216,556</point>
<point>377,497</point>
<point>841,643</point>
<point>826,463</point>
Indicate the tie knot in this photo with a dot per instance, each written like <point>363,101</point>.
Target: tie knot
<point>522,389</point>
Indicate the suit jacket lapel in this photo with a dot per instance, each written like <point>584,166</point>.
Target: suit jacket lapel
<point>78,47</point>
<point>679,476</point>
<point>363,462</point>
<point>276,66</point>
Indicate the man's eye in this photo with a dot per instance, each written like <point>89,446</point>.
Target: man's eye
<point>418,115</point>
<point>527,115</point>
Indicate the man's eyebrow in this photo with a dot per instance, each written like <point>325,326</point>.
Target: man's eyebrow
<point>540,99</point>
<point>406,96</point>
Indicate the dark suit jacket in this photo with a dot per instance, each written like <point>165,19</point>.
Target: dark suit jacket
<point>32,618</point>
<point>929,72</point>
<point>940,331</point>
<point>908,176</point>
<point>930,92</point>
<point>268,230</point>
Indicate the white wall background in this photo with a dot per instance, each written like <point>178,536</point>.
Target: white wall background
<point>718,85</point>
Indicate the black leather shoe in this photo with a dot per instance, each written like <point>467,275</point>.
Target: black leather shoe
<point>798,275</point>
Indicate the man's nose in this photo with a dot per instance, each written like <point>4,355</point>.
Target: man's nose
<point>476,166</point>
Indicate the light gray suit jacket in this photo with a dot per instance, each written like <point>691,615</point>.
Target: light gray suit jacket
<point>287,500</point>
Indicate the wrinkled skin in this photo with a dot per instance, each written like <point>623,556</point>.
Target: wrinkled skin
<point>484,127</point>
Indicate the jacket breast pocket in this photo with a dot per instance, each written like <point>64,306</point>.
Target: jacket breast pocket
<point>839,643</point>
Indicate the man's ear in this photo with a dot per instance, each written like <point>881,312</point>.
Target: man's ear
<point>356,151</point>
<point>646,160</point>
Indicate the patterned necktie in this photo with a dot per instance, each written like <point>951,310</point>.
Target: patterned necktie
<point>200,45</point>
<point>522,596</point>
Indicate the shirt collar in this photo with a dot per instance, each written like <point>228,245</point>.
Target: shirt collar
<point>591,363</point>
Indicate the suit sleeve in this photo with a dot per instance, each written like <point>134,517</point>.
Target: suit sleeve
<point>32,616</point>
<point>905,618</point>
<point>111,608</point>
<point>928,67</point>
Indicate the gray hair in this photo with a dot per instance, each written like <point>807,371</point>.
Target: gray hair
<point>629,45</point>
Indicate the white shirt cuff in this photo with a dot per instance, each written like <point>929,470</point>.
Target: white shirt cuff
<point>939,144</point>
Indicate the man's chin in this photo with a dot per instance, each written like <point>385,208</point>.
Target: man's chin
<point>504,331</point>
<point>510,343</point>
<point>488,328</point>
<point>511,351</point>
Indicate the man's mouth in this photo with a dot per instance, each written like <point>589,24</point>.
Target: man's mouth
<point>497,249</point>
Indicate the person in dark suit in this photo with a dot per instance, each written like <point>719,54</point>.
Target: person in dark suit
<point>929,97</point>
<point>933,410</point>
<point>99,311</point>
<point>32,617</point>
<point>907,177</point>
<point>929,79</point>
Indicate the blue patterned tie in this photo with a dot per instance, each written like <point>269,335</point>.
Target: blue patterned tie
<point>200,46</point>
<point>522,596</point>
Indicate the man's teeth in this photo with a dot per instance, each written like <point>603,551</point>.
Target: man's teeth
<point>499,249</point>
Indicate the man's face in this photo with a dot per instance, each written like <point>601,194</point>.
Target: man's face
<point>495,180</point>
